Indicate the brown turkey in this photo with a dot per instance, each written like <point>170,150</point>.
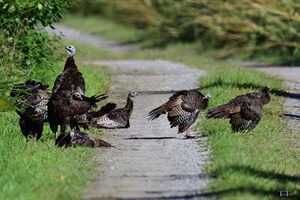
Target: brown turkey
<point>77,138</point>
<point>85,120</point>
<point>71,78</point>
<point>31,124</point>
<point>62,106</point>
<point>32,93</point>
<point>183,109</point>
<point>244,111</point>
<point>116,118</point>
<point>30,86</point>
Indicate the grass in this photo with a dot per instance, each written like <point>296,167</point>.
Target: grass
<point>26,174</point>
<point>49,172</point>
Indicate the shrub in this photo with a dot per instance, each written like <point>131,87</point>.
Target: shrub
<point>26,48</point>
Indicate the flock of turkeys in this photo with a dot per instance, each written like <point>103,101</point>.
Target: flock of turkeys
<point>68,105</point>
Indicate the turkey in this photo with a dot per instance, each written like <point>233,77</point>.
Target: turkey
<point>62,106</point>
<point>31,124</point>
<point>84,121</point>
<point>32,93</point>
<point>116,118</point>
<point>77,138</point>
<point>70,79</point>
<point>183,109</point>
<point>27,88</point>
<point>244,111</point>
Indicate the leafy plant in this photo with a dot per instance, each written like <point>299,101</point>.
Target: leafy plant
<point>26,47</point>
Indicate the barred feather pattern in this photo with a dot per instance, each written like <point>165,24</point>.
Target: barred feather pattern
<point>240,124</point>
<point>105,122</point>
<point>188,120</point>
<point>183,119</point>
<point>116,118</point>
<point>245,111</point>
<point>183,108</point>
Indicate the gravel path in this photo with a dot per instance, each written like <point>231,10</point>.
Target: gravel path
<point>150,159</point>
<point>81,36</point>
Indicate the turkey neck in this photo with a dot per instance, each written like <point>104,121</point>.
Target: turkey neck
<point>70,63</point>
<point>266,97</point>
<point>205,103</point>
<point>129,105</point>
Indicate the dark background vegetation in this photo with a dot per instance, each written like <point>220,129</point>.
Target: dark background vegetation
<point>231,26</point>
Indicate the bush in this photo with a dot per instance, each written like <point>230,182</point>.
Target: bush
<point>26,48</point>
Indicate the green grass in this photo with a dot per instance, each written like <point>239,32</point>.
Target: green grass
<point>49,172</point>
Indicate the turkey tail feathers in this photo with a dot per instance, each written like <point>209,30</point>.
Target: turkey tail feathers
<point>96,98</point>
<point>219,112</point>
<point>155,113</point>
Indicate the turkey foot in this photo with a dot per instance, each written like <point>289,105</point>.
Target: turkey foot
<point>188,134</point>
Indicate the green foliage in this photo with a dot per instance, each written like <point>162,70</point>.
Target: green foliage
<point>232,27</point>
<point>26,49</point>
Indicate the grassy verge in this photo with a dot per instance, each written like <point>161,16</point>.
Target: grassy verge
<point>50,172</point>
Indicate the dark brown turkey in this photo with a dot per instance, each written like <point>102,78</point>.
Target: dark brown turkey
<point>183,109</point>
<point>27,88</point>
<point>77,138</point>
<point>71,78</point>
<point>32,93</point>
<point>31,124</point>
<point>116,118</point>
<point>244,111</point>
<point>63,105</point>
